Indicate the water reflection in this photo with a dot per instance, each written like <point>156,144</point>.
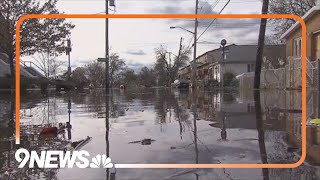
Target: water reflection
<point>182,127</point>
<point>261,135</point>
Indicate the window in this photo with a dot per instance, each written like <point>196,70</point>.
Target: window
<point>250,67</point>
<point>297,47</point>
<point>250,108</point>
<point>316,46</point>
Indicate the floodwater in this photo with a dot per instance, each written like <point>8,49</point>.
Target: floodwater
<point>159,126</point>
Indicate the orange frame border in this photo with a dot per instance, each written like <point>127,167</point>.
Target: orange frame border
<point>167,16</point>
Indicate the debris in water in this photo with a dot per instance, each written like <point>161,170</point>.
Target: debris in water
<point>143,142</point>
<point>78,144</point>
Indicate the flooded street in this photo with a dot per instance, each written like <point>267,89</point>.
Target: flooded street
<point>159,126</point>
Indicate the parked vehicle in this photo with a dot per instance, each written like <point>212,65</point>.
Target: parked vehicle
<point>180,84</point>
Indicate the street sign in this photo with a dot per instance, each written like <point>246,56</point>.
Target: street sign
<point>223,42</point>
<point>111,3</point>
<point>101,59</point>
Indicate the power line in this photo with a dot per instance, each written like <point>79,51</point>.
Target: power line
<point>211,22</point>
<point>214,19</point>
<point>216,3</point>
<point>206,1</point>
<point>212,6</point>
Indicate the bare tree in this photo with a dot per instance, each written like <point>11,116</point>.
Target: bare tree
<point>297,7</point>
<point>79,77</point>
<point>42,61</point>
<point>95,72</point>
<point>147,77</point>
<point>55,67</point>
<point>166,71</point>
<point>116,65</point>
<point>161,65</point>
<point>49,65</point>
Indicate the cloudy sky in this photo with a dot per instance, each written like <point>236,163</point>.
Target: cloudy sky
<point>135,39</point>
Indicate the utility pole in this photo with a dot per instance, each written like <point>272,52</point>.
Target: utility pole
<point>194,66</point>
<point>69,126</point>
<point>170,70</point>
<point>261,39</point>
<point>256,92</point>
<point>107,48</point>
<point>180,48</point>
<point>179,53</point>
<point>68,53</point>
<point>222,69</point>
<point>194,63</point>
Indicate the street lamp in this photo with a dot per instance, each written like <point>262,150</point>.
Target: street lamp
<point>173,27</point>
<point>223,44</point>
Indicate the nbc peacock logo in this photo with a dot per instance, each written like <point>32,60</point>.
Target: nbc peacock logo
<point>101,161</point>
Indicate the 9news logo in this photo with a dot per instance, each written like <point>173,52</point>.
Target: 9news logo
<point>61,159</point>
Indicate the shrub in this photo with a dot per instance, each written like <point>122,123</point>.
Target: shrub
<point>229,80</point>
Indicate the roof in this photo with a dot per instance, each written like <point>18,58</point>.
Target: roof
<point>213,53</point>
<point>248,53</point>
<point>305,17</point>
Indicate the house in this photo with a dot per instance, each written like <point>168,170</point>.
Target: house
<point>185,73</point>
<point>293,36</point>
<point>202,62</point>
<point>203,72</point>
<point>240,59</point>
<point>293,41</point>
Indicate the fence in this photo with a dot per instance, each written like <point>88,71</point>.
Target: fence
<point>269,79</point>
<point>285,77</point>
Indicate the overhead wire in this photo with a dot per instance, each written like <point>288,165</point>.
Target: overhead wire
<point>211,23</point>
<point>213,20</point>
<point>214,5</point>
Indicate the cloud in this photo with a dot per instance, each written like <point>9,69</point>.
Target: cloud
<point>180,7</point>
<point>171,7</point>
<point>136,52</point>
<point>232,35</point>
<point>136,66</point>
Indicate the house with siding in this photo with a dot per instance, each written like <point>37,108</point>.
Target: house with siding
<point>239,59</point>
<point>293,41</point>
